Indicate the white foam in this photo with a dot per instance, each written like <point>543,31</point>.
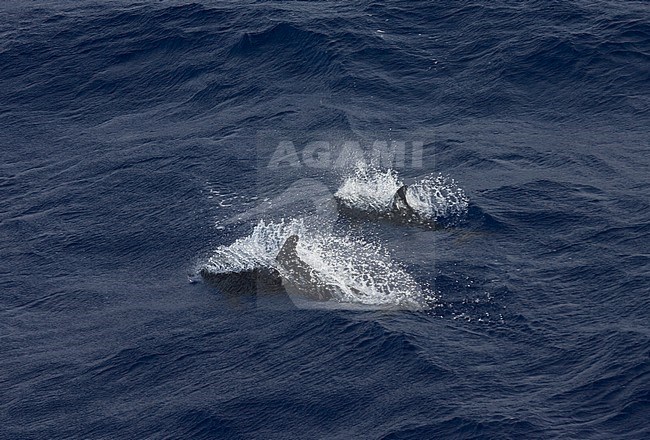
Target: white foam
<point>360,271</point>
<point>433,197</point>
<point>437,197</point>
<point>369,189</point>
<point>257,250</point>
<point>363,272</point>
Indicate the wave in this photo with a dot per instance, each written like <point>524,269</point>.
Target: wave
<point>477,60</point>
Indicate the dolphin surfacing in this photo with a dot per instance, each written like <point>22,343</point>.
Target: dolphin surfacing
<point>291,275</point>
<point>399,211</point>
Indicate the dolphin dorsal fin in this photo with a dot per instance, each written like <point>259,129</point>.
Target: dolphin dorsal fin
<point>401,194</point>
<point>401,206</point>
<point>399,199</point>
<point>288,249</point>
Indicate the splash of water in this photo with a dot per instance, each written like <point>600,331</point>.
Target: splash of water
<point>369,189</point>
<point>359,271</point>
<point>255,251</point>
<point>362,271</point>
<point>437,197</point>
<point>434,197</point>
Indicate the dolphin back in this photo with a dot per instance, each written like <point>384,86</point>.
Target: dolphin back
<point>401,194</point>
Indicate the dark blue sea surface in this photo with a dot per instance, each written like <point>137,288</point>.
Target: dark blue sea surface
<point>135,136</point>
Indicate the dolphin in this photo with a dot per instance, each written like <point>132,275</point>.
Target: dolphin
<point>291,275</point>
<point>398,207</point>
<point>398,211</point>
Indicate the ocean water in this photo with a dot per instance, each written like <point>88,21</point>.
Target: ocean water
<point>137,142</point>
